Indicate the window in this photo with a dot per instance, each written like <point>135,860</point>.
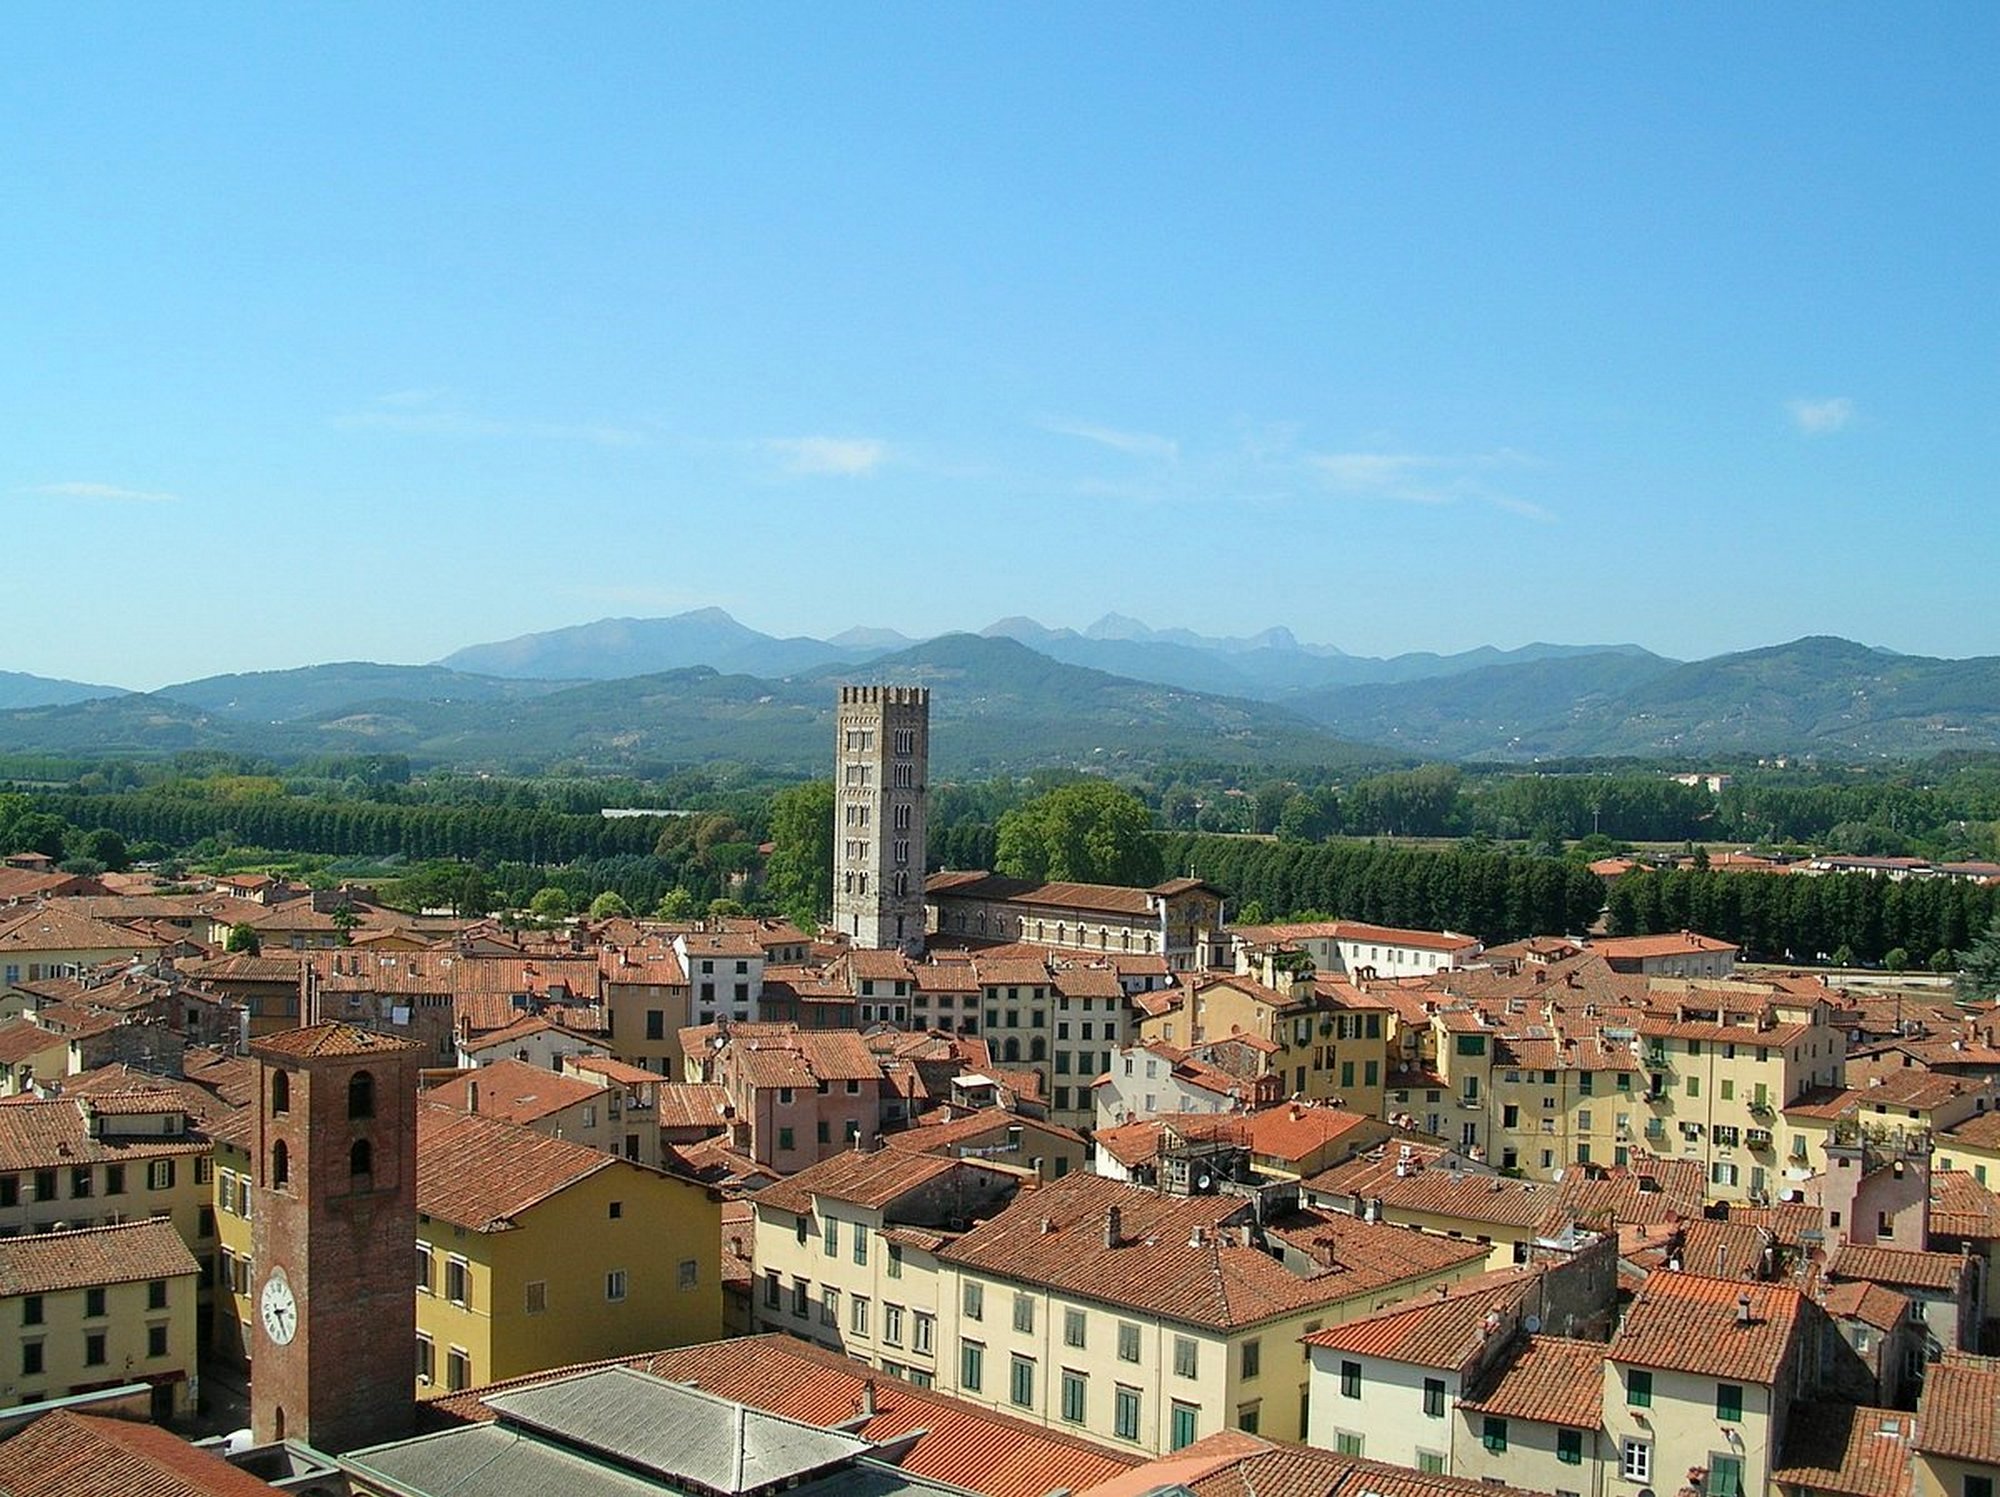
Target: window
<point>361,1095</point>
<point>830,1236</point>
<point>156,1294</point>
<point>773,1290</point>
<point>1182,1418</point>
<point>801,1296</point>
<point>895,1261</point>
<point>829,1306</point>
<point>361,1159</point>
<point>614,1285</point>
<point>1021,1382</point>
<point>860,1243</point>
<point>1978,1486</point>
<point>1024,1313</point>
<point>1434,1398</point>
<point>1075,1392</point>
<point>281,1093</point>
<point>31,1309</point>
<point>971,1365</point>
<point>656,1024</point>
<point>457,1368</point>
<point>1430,1462</point>
<point>892,1324</point>
<point>93,1349</point>
<point>31,1358</point>
<point>79,1182</point>
<point>457,1281</point>
<point>1185,1361</point>
<point>973,1301</point>
<point>1725,1476</point>
<point>1253,1358</point>
<point>114,1185</point>
<point>1128,1341</point>
<point>1350,1379</point>
<point>424,1280</point>
<point>1729,1402</point>
<point>1636,1460</point>
<point>93,1302</point>
<point>1493,1435</point>
<point>281,1165</point>
<point>156,1341</point>
<point>1639,1389</point>
<point>426,1358</point>
<point>857,1314</point>
<point>921,1341</point>
<point>1073,1328</point>
<point>785,1144</point>
<point>1347,1442</point>
<point>1125,1413</point>
<point>1569,1446</point>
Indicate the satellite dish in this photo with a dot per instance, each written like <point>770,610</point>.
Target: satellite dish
<point>1202,1183</point>
<point>1532,1324</point>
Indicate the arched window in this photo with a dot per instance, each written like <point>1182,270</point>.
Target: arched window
<point>1013,1052</point>
<point>361,1158</point>
<point>1038,1048</point>
<point>281,1093</point>
<point>281,1165</point>
<point>361,1095</point>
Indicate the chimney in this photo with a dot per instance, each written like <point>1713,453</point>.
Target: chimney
<point>1112,1223</point>
<point>1743,1309</point>
<point>472,1096</point>
<point>1194,1236</point>
<point>868,1399</point>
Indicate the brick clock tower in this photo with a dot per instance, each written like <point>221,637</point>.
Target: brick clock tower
<point>334,1229</point>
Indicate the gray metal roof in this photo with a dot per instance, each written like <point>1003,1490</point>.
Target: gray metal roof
<point>616,1431</point>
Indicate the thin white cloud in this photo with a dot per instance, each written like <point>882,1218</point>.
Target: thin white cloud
<point>1426,478</point>
<point>107,491</point>
<point>1143,444</point>
<point>436,413</point>
<point>1818,418</point>
<point>844,457</point>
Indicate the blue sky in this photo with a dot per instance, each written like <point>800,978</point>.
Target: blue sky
<point>333,332</point>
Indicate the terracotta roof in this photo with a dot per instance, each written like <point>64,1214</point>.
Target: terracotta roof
<point>50,1134</point>
<point>1686,1322</point>
<point>319,1040</point>
<point>1673,943</point>
<point>1958,1416</point>
<point>956,1442</point>
<point>1447,1330</point>
<point>932,1138</point>
<point>1355,930</point>
<point>51,927</point>
<point>614,1070</point>
<point>1131,1143</point>
<point>41,1263</point>
<point>1869,1303</point>
<point>1962,1207</point>
<point>66,1454</point>
<point>21,1040</point>
<point>1109,899</point>
<point>693,1104</point>
<point>1898,1266</point>
<point>514,1091</point>
<point>1849,1449</point>
<point>1233,1464</point>
<point>1551,1379</point>
<point>871,1179</point>
<point>481,1173</point>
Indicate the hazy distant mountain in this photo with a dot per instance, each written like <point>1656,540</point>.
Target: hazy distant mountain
<point>1816,695</point>
<point>284,696</point>
<point>18,689</point>
<point>999,707</point>
<point>862,638</point>
<point>611,649</point>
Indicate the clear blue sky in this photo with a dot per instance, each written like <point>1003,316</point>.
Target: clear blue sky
<point>370,331</point>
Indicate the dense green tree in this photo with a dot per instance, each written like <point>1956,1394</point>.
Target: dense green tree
<point>798,873</point>
<point>1979,967</point>
<point>243,939</point>
<point>1089,832</point>
<point>550,903</point>
<point>610,905</point>
<point>675,904</point>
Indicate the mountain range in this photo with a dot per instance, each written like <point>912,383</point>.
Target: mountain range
<point>637,695</point>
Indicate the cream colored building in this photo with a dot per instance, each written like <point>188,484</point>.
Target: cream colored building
<point>97,1308</point>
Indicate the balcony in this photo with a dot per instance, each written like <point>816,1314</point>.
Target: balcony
<point>1655,1060</point>
<point>1757,1138</point>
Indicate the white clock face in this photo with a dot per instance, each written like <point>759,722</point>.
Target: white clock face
<point>278,1309</point>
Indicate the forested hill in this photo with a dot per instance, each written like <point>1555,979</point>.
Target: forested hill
<point>998,707</point>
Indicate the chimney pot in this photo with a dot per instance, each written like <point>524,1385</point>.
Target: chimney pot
<point>1113,1220</point>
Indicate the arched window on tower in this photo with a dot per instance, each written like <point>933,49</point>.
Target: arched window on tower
<point>361,1158</point>
<point>281,1093</point>
<point>281,1165</point>
<point>361,1095</point>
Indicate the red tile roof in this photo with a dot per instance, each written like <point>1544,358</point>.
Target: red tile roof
<point>66,1454</point>
<point>1551,1379</point>
<point>1898,1267</point>
<point>1448,1330</point>
<point>1958,1416</point>
<point>1848,1449</point>
<point>318,1040</point>
<point>481,1173</point>
<point>1684,1322</point>
<point>42,1263</point>
<point>514,1091</point>
<point>872,1179</point>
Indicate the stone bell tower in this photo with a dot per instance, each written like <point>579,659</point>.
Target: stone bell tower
<point>882,739</point>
